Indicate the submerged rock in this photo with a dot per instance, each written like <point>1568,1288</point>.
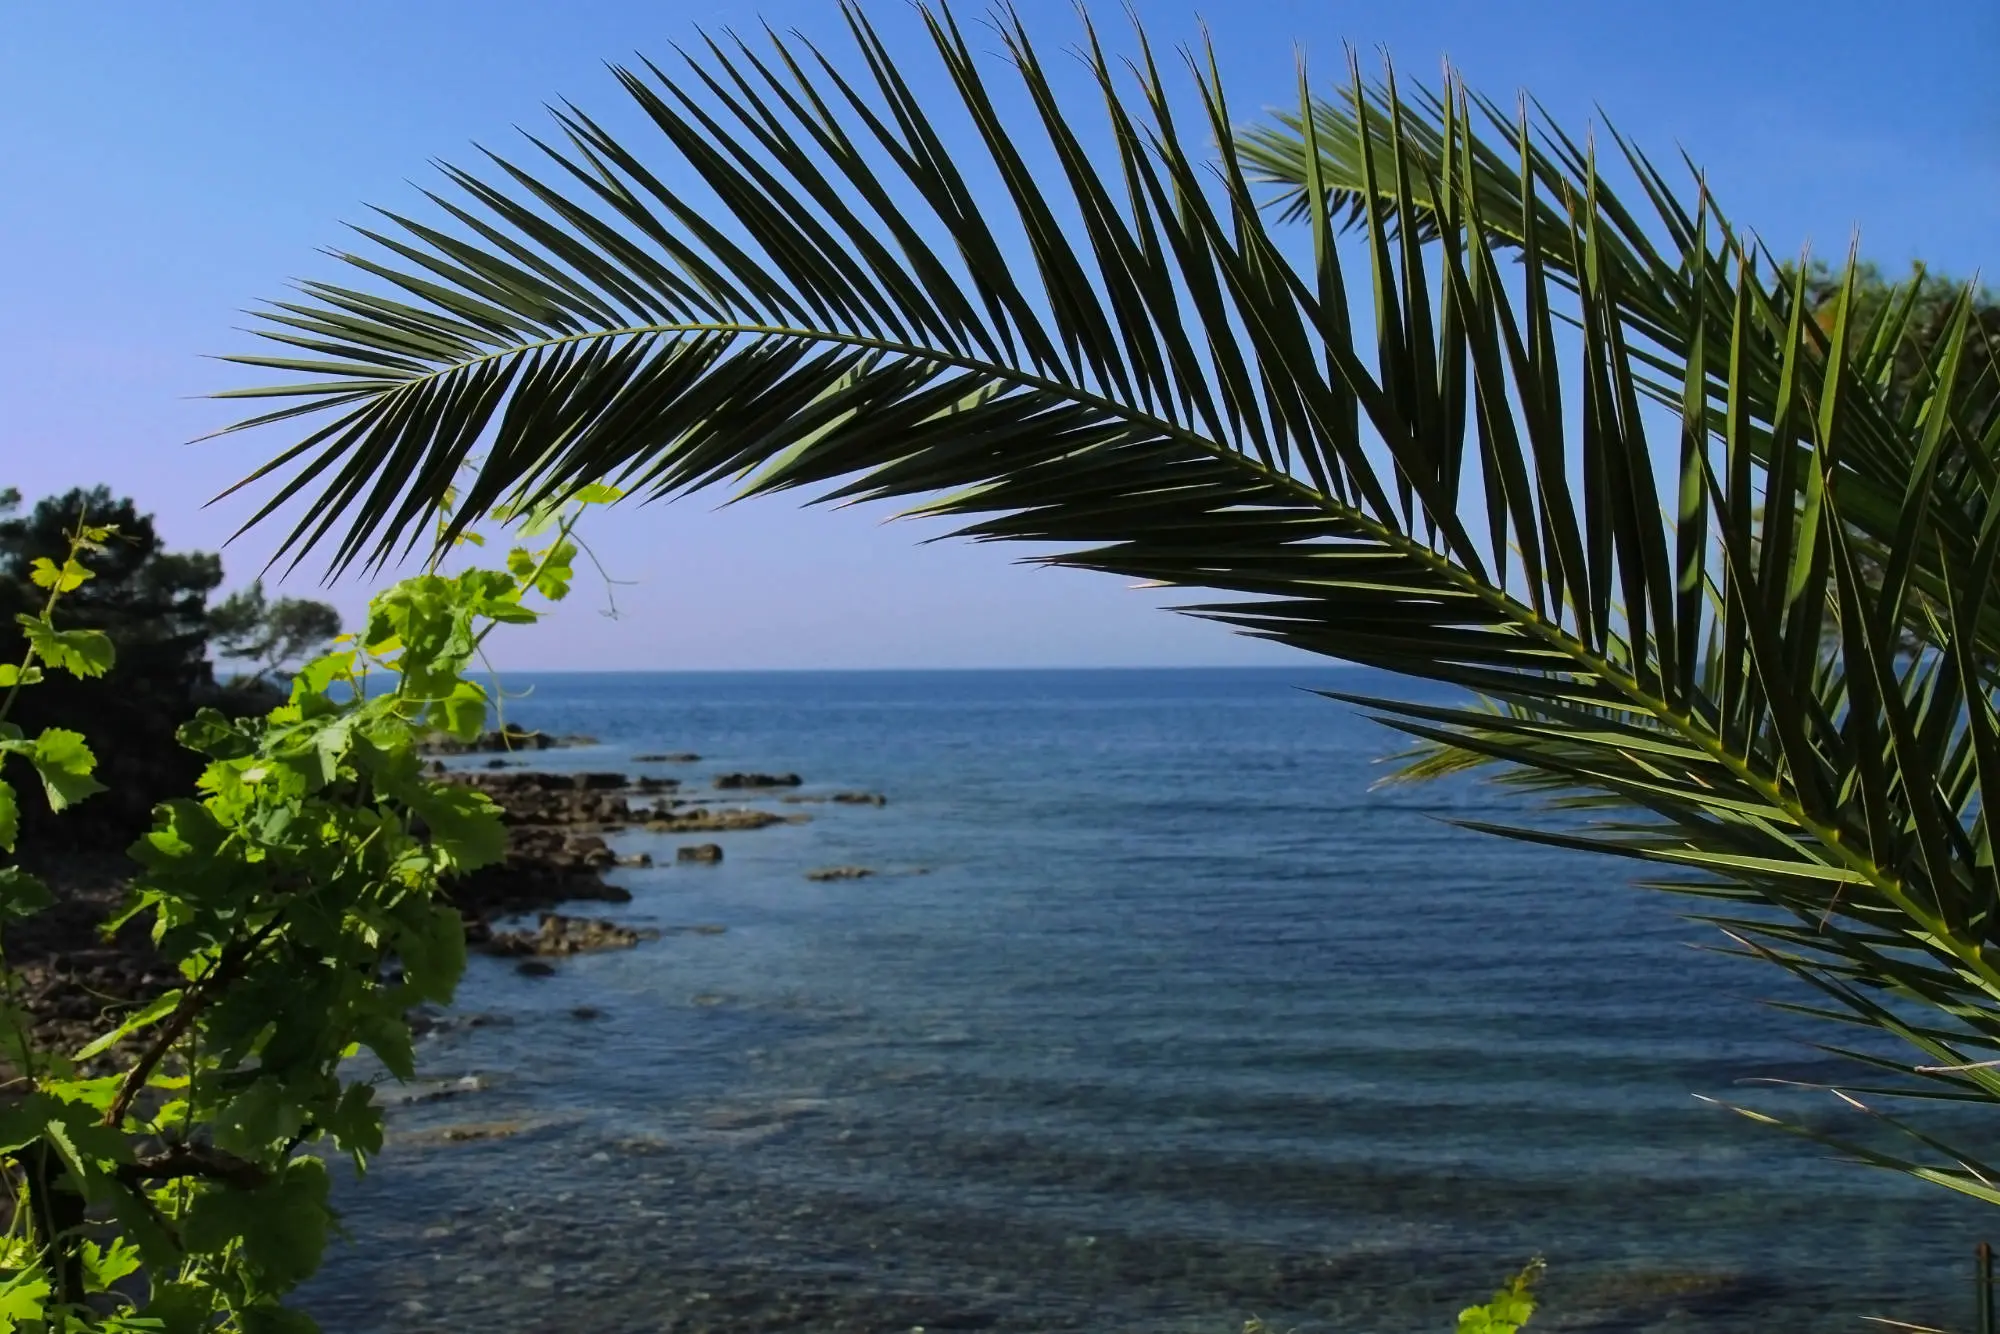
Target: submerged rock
<point>728,781</point>
<point>707,821</point>
<point>699,852</point>
<point>667,757</point>
<point>561,936</point>
<point>839,798</point>
<point>841,873</point>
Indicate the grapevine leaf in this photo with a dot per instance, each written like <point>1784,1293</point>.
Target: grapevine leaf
<point>10,816</point>
<point>12,674</point>
<point>323,671</point>
<point>107,1264</point>
<point>22,1123</point>
<point>212,733</point>
<point>389,1038</point>
<point>1509,1309</point>
<point>464,825</point>
<point>78,652</point>
<point>65,764</point>
<point>181,1308</point>
<point>22,1300</point>
<point>291,1231</point>
<point>463,711</point>
<point>356,1122</point>
<point>56,1132</point>
<point>276,1320</point>
<point>21,894</point>
<point>145,1018</point>
<point>552,580</point>
<point>256,1118</point>
<point>433,953</point>
<point>63,578</point>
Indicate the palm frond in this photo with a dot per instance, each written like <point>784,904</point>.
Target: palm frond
<point>805,278</point>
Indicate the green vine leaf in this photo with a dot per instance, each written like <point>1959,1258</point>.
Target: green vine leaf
<point>78,652</point>
<point>22,1300</point>
<point>13,674</point>
<point>433,954</point>
<point>105,1265</point>
<point>66,764</point>
<point>464,825</point>
<point>462,713</point>
<point>21,1124</point>
<point>1510,1308</point>
<point>212,733</point>
<point>145,1018</point>
<point>64,578</point>
<point>10,816</point>
<point>21,895</point>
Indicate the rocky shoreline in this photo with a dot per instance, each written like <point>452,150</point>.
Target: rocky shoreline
<point>557,824</point>
<point>557,854</point>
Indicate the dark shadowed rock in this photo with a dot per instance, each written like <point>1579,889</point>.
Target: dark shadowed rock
<point>840,873</point>
<point>706,821</point>
<point>732,781</point>
<point>561,936</point>
<point>508,738</point>
<point>535,968</point>
<point>667,757</point>
<point>699,852</point>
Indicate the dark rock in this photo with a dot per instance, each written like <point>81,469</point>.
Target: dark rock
<point>699,852</point>
<point>589,850</point>
<point>586,1012</point>
<point>636,859</point>
<point>461,1134</point>
<point>535,968</point>
<point>861,798</point>
<point>728,781</point>
<point>707,821</point>
<point>561,936</point>
<point>508,738</point>
<point>840,873</point>
<point>675,757</point>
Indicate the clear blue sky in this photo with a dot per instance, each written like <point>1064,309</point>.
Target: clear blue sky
<point>169,165</point>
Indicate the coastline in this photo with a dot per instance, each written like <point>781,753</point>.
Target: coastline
<point>74,977</point>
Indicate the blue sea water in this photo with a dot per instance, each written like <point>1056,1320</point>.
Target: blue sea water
<point>1157,1016</point>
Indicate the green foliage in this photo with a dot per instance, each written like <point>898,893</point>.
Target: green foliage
<point>1508,1310</point>
<point>134,625</point>
<point>297,892</point>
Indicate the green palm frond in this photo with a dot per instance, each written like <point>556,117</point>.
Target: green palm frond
<point>1674,296</point>
<point>1104,341</point>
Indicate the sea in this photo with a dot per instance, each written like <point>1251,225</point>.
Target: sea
<point>1159,1012</point>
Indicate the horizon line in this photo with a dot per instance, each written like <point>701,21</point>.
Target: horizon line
<point>858,671</point>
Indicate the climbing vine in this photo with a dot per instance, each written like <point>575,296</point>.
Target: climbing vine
<point>171,1175</point>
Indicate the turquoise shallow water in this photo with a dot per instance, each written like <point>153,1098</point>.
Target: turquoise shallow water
<point>1180,1023</point>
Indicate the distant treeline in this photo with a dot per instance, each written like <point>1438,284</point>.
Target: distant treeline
<point>155,605</point>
